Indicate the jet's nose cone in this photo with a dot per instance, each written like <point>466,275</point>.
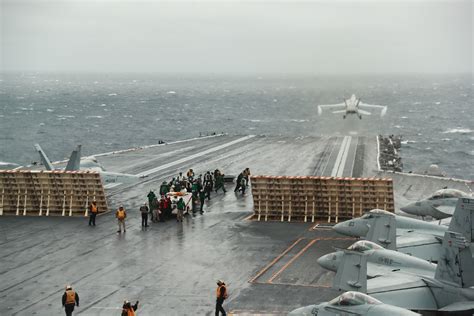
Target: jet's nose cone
<point>411,208</point>
<point>329,261</point>
<point>345,228</point>
<point>325,262</point>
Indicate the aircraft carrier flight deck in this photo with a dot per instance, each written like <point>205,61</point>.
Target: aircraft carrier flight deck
<point>270,267</point>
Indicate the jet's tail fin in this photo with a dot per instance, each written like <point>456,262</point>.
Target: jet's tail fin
<point>44,159</point>
<point>456,264</point>
<point>352,272</point>
<point>462,220</point>
<point>383,231</point>
<point>74,162</point>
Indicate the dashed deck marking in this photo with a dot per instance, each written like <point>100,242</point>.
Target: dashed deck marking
<point>191,157</point>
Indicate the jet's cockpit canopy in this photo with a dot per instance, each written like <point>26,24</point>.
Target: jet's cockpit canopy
<point>364,245</point>
<point>374,212</point>
<point>446,194</point>
<point>352,299</point>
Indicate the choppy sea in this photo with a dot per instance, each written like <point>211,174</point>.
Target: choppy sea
<point>434,113</point>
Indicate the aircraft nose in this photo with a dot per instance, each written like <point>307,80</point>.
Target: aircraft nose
<point>343,228</point>
<point>411,208</point>
<point>357,227</point>
<point>329,261</point>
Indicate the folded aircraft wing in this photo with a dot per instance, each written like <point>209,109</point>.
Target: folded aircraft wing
<point>374,106</point>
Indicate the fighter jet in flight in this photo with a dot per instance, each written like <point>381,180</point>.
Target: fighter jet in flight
<point>352,106</point>
<point>354,304</point>
<point>440,205</point>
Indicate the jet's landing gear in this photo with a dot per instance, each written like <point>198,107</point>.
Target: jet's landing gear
<point>344,117</point>
<point>360,117</point>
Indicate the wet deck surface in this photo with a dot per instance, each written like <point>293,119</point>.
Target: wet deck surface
<point>170,267</point>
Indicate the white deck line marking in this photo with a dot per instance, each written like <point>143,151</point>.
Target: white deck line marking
<point>205,152</point>
<point>339,156</point>
<point>355,155</point>
<point>142,147</point>
<point>344,158</point>
<point>378,154</point>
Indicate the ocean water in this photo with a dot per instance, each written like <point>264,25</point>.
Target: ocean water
<point>109,112</point>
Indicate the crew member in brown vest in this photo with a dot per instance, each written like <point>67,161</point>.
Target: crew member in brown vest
<point>221,295</point>
<point>70,299</point>
<point>93,209</point>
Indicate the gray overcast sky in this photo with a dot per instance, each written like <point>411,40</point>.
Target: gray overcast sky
<point>237,37</point>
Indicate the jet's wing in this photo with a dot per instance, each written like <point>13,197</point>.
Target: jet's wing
<point>423,246</point>
<point>403,290</point>
<point>458,307</point>
<point>375,106</point>
<point>383,231</point>
<point>338,105</point>
<point>364,112</point>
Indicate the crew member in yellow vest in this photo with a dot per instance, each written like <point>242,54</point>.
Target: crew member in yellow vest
<point>221,295</point>
<point>128,309</point>
<point>70,299</point>
<point>93,210</point>
<point>121,215</point>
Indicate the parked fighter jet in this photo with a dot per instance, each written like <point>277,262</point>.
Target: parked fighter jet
<point>450,290</point>
<point>408,235</point>
<point>440,205</point>
<point>352,303</point>
<point>352,106</point>
<point>380,261</point>
<point>110,179</point>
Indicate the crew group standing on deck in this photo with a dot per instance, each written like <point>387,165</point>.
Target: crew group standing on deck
<point>200,188</point>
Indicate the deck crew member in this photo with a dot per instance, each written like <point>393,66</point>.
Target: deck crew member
<point>70,299</point>
<point>121,215</point>
<point>180,209</point>
<point>144,211</point>
<point>202,197</point>
<point>93,209</point>
<point>128,309</point>
<point>238,182</point>
<point>221,295</point>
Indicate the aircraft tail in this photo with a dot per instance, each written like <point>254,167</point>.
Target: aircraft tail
<point>352,272</point>
<point>383,231</point>
<point>44,159</point>
<point>456,264</point>
<point>462,220</point>
<point>74,162</point>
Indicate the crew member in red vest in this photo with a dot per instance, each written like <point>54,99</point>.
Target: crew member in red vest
<point>221,295</point>
<point>70,299</point>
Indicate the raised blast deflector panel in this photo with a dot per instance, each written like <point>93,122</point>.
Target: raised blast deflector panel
<point>318,198</point>
<point>50,193</point>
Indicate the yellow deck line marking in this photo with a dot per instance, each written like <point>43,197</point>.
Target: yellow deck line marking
<point>274,261</point>
<point>292,260</point>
